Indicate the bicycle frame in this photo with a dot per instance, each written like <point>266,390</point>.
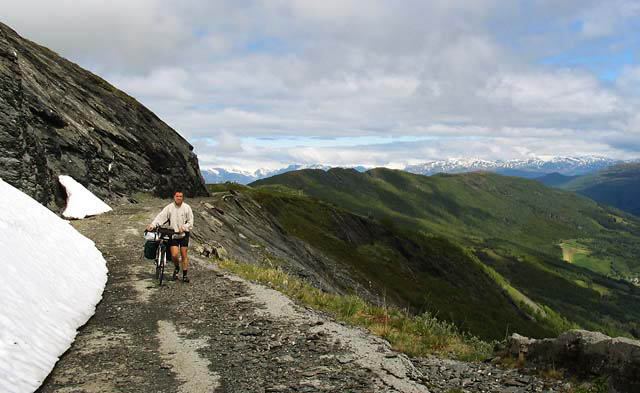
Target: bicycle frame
<point>164,235</point>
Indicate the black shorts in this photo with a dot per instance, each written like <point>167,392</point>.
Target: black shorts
<point>184,242</point>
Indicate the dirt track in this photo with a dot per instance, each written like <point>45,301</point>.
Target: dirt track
<point>222,334</point>
<point>213,334</point>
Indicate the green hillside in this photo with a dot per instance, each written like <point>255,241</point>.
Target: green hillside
<point>617,186</point>
<point>541,240</point>
<point>555,179</point>
<point>408,269</point>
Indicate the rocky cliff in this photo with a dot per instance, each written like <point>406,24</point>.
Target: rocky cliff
<point>57,118</point>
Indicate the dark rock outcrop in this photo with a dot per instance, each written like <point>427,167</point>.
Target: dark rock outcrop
<point>585,353</point>
<point>57,118</point>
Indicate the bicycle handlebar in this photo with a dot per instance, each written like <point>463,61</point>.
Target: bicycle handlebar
<point>164,233</point>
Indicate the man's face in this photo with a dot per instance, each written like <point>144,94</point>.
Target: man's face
<point>178,198</point>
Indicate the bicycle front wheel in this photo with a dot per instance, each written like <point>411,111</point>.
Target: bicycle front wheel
<point>163,262</point>
<point>158,261</point>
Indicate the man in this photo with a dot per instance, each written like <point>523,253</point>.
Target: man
<point>179,217</point>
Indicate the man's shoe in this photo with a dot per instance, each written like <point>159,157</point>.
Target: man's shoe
<point>175,275</point>
<point>185,279</point>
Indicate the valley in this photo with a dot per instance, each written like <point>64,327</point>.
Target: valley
<point>515,228</point>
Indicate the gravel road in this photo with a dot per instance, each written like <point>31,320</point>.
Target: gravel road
<point>220,333</point>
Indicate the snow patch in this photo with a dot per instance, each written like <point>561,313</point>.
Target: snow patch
<point>52,280</point>
<point>80,201</point>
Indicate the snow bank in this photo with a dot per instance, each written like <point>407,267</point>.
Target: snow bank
<point>80,201</point>
<point>52,278</point>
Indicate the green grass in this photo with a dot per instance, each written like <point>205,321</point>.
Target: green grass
<point>415,335</point>
<point>226,187</point>
<point>579,253</point>
<point>514,226</point>
<point>470,208</point>
<point>417,271</point>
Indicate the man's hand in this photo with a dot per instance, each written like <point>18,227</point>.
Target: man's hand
<point>149,228</point>
<point>181,228</point>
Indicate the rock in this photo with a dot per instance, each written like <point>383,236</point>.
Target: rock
<point>512,382</point>
<point>344,359</point>
<point>59,119</point>
<point>277,388</point>
<point>219,252</point>
<point>251,332</point>
<point>519,345</point>
<point>212,250</point>
<point>311,382</point>
<point>586,354</point>
<point>286,359</point>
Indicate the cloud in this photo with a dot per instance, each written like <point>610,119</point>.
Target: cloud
<point>565,92</point>
<point>469,75</point>
<point>606,19</point>
<point>160,84</point>
<point>228,143</point>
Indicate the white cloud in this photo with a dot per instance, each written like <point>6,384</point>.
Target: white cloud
<point>466,73</point>
<point>229,143</point>
<point>562,92</point>
<point>606,19</point>
<point>160,84</point>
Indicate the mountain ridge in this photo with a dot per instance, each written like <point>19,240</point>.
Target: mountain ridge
<point>59,119</point>
<point>617,186</point>
<point>528,168</point>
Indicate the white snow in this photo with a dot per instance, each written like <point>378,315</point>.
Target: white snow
<point>80,201</point>
<point>52,278</point>
<point>547,164</point>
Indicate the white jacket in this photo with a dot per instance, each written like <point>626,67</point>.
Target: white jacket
<point>175,217</point>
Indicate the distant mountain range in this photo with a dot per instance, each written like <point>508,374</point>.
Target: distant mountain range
<point>221,175</point>
<point>617,186</point>
<point>529,168</point>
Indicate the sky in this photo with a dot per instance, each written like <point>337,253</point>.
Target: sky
<point>267,83</point>
<point>50,293</point>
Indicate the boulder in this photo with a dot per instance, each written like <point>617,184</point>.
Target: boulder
<point>59,119</point>
<point>212,250</point>
<point>587,354</point>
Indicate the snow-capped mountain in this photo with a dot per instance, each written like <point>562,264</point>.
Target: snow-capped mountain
<point>221,175</point>
<point>530,168</point>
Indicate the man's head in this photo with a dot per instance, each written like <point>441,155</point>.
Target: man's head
<point>177,197</point>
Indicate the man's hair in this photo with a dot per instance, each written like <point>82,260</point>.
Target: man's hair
<point>178,191</point>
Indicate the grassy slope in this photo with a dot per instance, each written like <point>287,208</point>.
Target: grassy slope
<point>555,179</point>
<point>514,225</point>
<point>424,273</point>
<point>618,186</point>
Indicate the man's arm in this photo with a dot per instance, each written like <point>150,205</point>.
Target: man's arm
<point>160,219</point>
<point>189,224</point>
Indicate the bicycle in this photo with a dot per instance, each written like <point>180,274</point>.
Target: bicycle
<point>163,235</point>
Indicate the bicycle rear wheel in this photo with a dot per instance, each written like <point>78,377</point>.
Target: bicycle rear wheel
<point>163,262</point>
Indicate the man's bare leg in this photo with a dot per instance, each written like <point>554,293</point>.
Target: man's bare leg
<point>185,257</point>
<point>185,263</point>
<point>175,258</point>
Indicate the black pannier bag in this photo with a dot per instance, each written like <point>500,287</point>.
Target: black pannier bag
<point>150,248</point>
